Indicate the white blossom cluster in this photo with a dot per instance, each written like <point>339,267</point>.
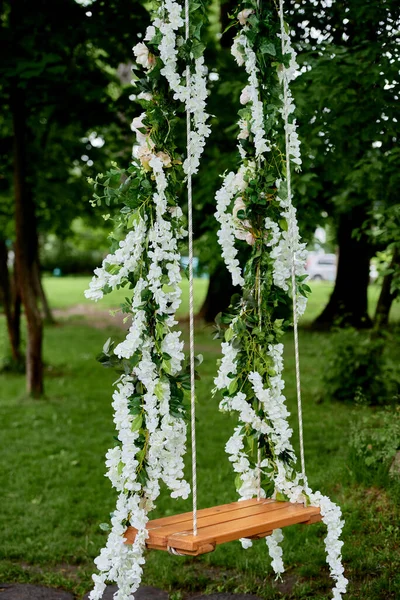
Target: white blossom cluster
<point>286,75</point>
<point>116,267</point>
<point>251,93</point>
<point>166,435</point>
<point>272,402</point>
<point>196,104</point>
<point>275,551</point>
<point>286,247</point>
<point>233,184</point>
<point>169,23</point>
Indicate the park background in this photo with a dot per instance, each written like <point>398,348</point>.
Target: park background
<point>67,106</point>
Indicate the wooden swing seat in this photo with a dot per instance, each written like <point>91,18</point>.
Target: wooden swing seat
<point>252,519</point>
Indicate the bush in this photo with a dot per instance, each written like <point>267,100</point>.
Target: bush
<point>64,255</point>
<point>359,367</point>
<point>374,443</point>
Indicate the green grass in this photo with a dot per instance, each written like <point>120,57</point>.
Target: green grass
<point>64,292</point>
<point>54,494</point>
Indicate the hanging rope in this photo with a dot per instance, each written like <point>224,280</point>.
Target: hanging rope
<point>191,310</point>
<point>259,404</point>
<point>293,269</point>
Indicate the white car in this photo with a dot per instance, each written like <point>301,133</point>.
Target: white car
<point>321,267</point>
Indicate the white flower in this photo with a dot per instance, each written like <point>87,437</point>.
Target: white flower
<point>243,130</point>
<point>245,96</point>
<point>150,33</point>
<point>165,159</point>
<point>275,551</point>
<point>244,15</point>
<point>237,51</point>
<point>143,56</point>
<point>238,205</point>
<point>145,96</point>
<point>137,125</point>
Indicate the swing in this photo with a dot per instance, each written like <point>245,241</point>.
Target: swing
<point>200,531</point>
<point>252,519</point>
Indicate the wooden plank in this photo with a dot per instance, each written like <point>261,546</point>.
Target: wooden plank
<point>261,507</point>
<point>259,536</point>
<point>250,518</point>
<point>203,512</point>
<point>183,522</point>
<point>250,526</point>
<point>202,549</point>
<point>313,519</point>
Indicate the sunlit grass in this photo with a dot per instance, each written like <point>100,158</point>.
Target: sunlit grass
<point>64,292</point>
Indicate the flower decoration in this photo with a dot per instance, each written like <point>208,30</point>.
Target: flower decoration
<point>256,201</point>
<point>149,398</point>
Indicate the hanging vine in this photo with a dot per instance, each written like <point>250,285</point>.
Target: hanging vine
<point>254,206</point>
<point>150,401</point>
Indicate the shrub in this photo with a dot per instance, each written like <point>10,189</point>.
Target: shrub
<point>374,443</point>
<point>64,255</point>
<point>358,367</point>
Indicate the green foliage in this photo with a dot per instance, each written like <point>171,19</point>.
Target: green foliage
<point>64,255</point>
<point>374,442</point>
<point>74,96</point>
<point>358,367</point>
<point>385,230</point>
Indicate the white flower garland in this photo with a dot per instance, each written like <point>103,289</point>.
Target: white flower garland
<point>251,94</point>
<point>226,233</point>
<point>165,434</point>
<point>195,97</point>
<point>283,244</point>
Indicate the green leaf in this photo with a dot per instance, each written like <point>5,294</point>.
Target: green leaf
<point>107,346</point>
<point>233,386</point>
<point>283,224</point>
<point>228,334</point>
<point>137,422</point>
<point>198,360</point>
<point>268,48</point>
<point>281,497</point>
<point>238,482</point>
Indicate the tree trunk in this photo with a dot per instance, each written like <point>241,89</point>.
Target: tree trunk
<point>40,294</point>
<point>11,308</point>
<point>26,246</point>
<point>348,304</point>
<point>386,297</point>
<point>219,293</point>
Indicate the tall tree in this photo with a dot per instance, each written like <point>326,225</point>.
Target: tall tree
<point>348,94</point>
<point>57,75</point>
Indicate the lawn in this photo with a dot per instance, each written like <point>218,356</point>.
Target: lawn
<point>54,493</point>
<point>64,292</point>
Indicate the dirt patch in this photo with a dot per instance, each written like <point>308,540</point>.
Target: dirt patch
<point>95,317</point>
<point>102,319</point>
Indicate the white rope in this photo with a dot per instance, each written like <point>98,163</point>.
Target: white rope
<point>259,316</point>
<point>259,404</point>
<point>291,237</point>
<point>191,310</point>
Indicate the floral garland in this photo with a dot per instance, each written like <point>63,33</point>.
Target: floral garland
<point>255,206</point>
<point>150,395</point>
